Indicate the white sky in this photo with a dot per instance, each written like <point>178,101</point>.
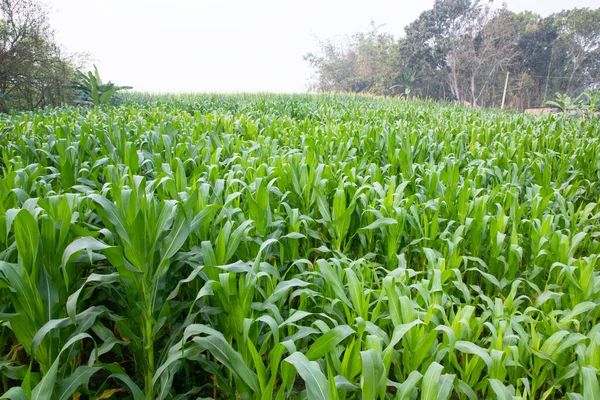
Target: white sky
<point>227,45</point>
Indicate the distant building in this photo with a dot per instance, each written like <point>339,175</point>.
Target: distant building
<point>541,110</point>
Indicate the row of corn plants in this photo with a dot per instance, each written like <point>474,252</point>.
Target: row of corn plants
<point>298,246</point>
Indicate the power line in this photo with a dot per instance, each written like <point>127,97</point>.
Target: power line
<point>558,77</point>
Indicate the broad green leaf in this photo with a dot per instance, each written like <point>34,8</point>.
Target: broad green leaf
<point>80,377</point>
<point>591,385</point>
<point>15,393</point>
<point>409,386</point>
<point>502,392</point>
<point>381,222</point>
<point>317,386</point>
<point>328,341</point>
<point>431,381</point>
<point>472,348</point>
<point>373,377</point>
<point>27,240</point>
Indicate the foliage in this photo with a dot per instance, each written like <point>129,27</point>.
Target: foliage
<point>566,103</point>
<point>5,97</point>
<point>368,66</point>
<point>92,91</point>
<point>593,100</point>
<point>586,102</point>
<point>320,247</point>
<point>463,50</point>
<point>34,72</point>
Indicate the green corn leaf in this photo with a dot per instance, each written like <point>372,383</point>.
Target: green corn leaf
<point>502,392</point>
<point>15,393</point>
<point>431,382</point>
<point>381,222</point>
<point>27,240</point>
<point>373,377</point>
<point>328,341</point>
<point>80,377</point>
<point>46,388</point>
<point>83,244</point>
<point>341,383</point>
<point>446,386</point>
<point>112,214</point>
<point>119,374</point>
<point>223,352</point>
<point>409,386</point>
<point>317,386</point>
<point>591,385</point>
<point>93,278</point>
<point>472,348</point>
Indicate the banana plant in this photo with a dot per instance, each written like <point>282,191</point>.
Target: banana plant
<point>91,90</point>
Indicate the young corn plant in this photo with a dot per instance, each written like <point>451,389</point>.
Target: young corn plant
<point>298,246</point>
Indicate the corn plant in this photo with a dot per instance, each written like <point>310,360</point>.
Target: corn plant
<point>298,246</point>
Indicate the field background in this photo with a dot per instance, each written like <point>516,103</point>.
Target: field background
<point>293,246</point>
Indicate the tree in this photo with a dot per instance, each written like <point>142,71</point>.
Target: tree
<point>484,52</point>
<point>535,37</point>
<point>335,67</point>
<point>463,50</point>
<point>464,45</point>
<point>579,39</point>
<point>34,71</point>
<point>364,63</point>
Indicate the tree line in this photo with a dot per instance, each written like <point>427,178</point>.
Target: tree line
<point>468,51</point>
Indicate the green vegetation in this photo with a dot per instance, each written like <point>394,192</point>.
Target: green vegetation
<point>92,91</point>
<point>586,103</point>
<point>320,247</point>
<point>465,50</point>
<point>34,70</point>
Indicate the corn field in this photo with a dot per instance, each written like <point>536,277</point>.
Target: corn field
<point>298,247</point>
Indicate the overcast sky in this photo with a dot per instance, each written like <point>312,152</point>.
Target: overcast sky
<point>227,45</point>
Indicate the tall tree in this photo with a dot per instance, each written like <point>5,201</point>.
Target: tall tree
<point>33,70</point>
<point>464,49</point>
<point>465,45</point>
<point>364,63</point>
<point>485,51</point>
<point>428,42</point>
<point>579,39</point>
<point>535,40</point>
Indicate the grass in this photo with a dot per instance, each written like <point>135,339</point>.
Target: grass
<point>293,246</point>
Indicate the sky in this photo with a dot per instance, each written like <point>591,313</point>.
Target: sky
<point>227,45</point>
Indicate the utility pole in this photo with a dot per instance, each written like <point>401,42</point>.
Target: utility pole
<point>505,87</point>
